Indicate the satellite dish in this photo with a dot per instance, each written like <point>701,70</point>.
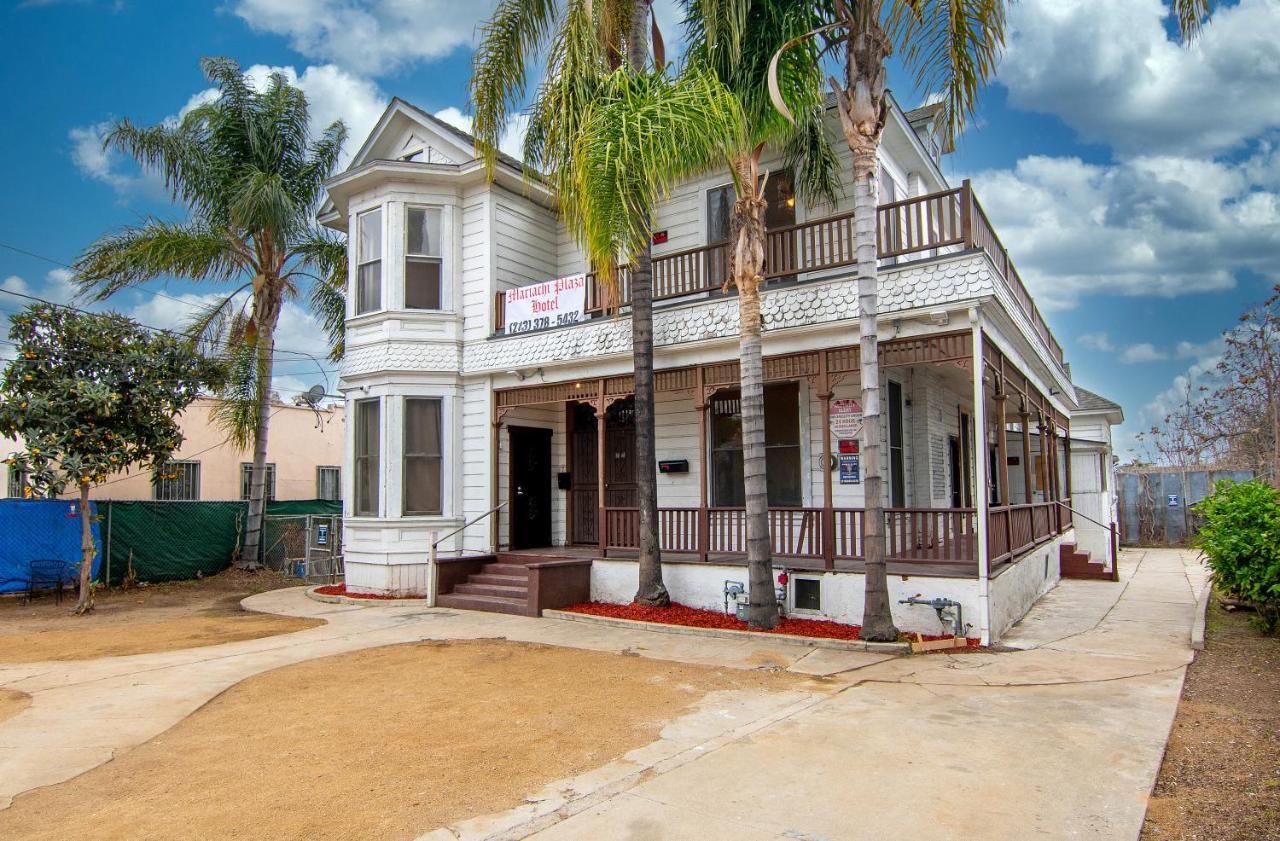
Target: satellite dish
<point>314,395</point>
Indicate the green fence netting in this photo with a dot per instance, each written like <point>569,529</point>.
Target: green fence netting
<point>173,541</point>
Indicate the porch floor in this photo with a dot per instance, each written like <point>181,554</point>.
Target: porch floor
<point>903,568</point>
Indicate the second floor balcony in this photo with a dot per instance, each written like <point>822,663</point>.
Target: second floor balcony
<point>915,228</point>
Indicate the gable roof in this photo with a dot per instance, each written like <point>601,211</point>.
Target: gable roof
<point>1091,402</point>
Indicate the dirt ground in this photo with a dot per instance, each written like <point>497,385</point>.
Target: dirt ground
<point>159,617</point>
<point>385,743</point>
<point>12,702</point>
<point>1220,780</point>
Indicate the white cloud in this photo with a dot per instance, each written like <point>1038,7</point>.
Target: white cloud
<point>1097,341</point>
<point>13,283</point>
<point>1200,350</point>
<point>1142,352</point>
<point>1155,226</point>
<point>1119,78</point>
<point>372,37</point>
<point>332,94</point>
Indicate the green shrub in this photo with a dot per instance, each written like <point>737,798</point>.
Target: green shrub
<point>1240,538</point>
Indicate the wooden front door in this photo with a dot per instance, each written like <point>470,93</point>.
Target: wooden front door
<point>530,488</point>
<point>619,466</point>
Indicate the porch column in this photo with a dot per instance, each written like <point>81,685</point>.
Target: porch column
<point>1024,418</point>
<point>700,401</point>
<point>828,510</point>
<point>1002,465</point>
<point>1066,461</point>
<point>982,501</point>
<point>601,519</point>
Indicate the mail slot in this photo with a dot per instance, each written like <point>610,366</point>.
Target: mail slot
<point>674,466</point>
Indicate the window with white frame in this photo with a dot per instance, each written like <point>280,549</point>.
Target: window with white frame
<point>369,261</point>
<point>246,479</point>
<point>368,440</point>
<point>176,481</point>
<point>423,258</point>
<point>423,458</point>
<point>328,482</point>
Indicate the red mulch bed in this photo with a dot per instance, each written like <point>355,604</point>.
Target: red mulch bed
<point>341,590</point>
<point>679,614</point>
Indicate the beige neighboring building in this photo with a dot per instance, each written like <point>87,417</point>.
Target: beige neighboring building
<point>304,457</point>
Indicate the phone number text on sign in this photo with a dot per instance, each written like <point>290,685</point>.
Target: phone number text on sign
<point>554,303</point>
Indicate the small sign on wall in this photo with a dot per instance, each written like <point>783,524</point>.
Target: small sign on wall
<point>850,468</point>
<point>1173,501</point>
<point>846,418</point>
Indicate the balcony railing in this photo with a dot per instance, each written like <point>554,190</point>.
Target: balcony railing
<point>921,225</point>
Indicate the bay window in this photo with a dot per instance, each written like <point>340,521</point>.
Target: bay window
<point>367,442</point>
<point>369,261</point>
<point>422,258</point>
<point>422,456</point>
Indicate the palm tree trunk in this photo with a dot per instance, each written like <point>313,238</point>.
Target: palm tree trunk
<point>652,591</point>
<point>747,233</point>
<point>87,550</point>
<point>258,478</point>
<point>877,616</point>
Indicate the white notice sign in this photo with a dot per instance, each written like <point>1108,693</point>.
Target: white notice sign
<point>846,419</point>
<point>554,303</point>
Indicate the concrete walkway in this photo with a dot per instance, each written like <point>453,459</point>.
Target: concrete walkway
<point>1059,739</point>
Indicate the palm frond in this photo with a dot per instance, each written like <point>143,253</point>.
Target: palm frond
<point>326,256</point>
<point>644,133</point>
<point>1193,16</point>
<point>158,249</point>
<point>508,42</point>
<point>950,47</point>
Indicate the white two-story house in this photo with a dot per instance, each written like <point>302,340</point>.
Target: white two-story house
<point>458,414</point>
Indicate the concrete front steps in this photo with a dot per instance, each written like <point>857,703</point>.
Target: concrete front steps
<point>510,582</point>
<point>1073,563</point>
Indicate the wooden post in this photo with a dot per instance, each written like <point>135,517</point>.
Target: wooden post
<point>601,518</point>
<point>1002,467</point>
<point>1024,418</point>
<point>966,213</point>
<point>700,401</point>
<point>828,507</point>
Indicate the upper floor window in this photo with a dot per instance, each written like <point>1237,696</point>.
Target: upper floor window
<point>328,482</point>
<point>369,261</point>
<point>246,481</point>
<point>17,486</point>
<point>422,258</point>
<point>177,480</point>
<point>779,212</point>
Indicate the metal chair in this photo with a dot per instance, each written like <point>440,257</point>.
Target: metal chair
<point>49,574</point>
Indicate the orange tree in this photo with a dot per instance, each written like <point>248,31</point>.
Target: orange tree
<point>91,394</point>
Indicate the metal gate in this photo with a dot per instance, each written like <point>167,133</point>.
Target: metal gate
<point>307,546</point>
<point>1156,503</point>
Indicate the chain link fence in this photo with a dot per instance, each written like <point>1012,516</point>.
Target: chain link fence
<point>173,541</point>
<point>307,546</point>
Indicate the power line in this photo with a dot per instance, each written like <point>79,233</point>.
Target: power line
<point>152,292</point>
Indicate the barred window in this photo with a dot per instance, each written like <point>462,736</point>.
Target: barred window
<point>176,480</point>
<point>246,476</point>
<point>328,482</point>
<point>17,481</point>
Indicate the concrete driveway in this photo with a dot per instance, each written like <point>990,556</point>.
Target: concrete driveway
<point>1060,739</point>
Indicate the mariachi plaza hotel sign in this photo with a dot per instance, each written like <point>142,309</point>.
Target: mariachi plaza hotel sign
<point>553,303</point>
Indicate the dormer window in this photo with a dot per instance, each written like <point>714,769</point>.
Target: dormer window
<point>414,156</point>
<point>423,258</point>
<point>369,263</point>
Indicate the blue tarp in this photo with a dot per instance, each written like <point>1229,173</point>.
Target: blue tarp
<point>41,530</point>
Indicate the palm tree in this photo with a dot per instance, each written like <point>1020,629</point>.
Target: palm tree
<point>951,47</point>
<point>586,42</point>
<point>252,179</point>
<point>735,41</point>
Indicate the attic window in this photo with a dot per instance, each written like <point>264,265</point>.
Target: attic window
<point>414,156</point>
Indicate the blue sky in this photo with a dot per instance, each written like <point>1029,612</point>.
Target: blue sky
<point>1135,181</point>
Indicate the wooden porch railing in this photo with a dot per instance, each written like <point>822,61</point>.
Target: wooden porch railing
<point>927,536</point>
<point>920,225</point>
<point>1013,529</point>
